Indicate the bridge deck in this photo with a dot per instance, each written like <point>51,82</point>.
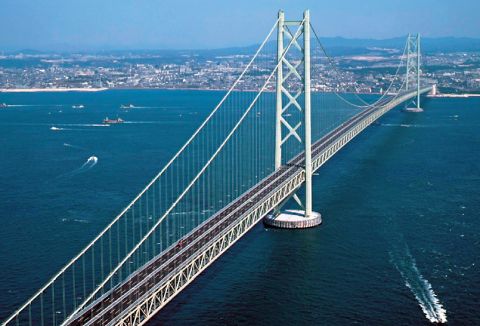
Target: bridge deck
<point>110,307</point>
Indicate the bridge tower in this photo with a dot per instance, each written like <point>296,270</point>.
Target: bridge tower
<point>413,69</point>
<point>305,217</point>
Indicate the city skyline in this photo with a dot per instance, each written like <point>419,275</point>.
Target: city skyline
<point>186,24</point>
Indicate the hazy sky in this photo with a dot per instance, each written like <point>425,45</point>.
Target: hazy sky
<point>96,24</point>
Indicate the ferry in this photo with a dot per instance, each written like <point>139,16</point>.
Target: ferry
<point>108,121</point>
<point>78,106</point>
<point>127,106</point>
<point>3,105</point>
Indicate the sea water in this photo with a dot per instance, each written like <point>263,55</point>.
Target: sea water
<point>399,241</point>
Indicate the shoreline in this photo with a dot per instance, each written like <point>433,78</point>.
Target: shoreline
<point>87,90</point>
<point>39,90</point>
<point>466,95</point>
<point>47,90</point>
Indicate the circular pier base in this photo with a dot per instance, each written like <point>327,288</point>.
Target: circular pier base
<point>413,110</point>
<point>293,219</point>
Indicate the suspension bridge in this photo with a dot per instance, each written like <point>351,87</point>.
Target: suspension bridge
<point>255,151</point>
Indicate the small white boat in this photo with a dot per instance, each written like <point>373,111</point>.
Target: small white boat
<point>78,106</point>
<point>55,128</point>
<point>3,105</point>
<point>127,106</point>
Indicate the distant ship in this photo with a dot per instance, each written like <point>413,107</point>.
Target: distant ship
<point>79,106</point>
<point>55,128</point>
<point>3,105</point>
<point>108,121</point>
<point>127,106</point>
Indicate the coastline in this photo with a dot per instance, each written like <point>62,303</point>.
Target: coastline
<point>46,90</point>
<point>466,95</point>
<point>37,90</point>
<point>78,89</point>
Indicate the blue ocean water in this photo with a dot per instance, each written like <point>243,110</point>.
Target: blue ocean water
<point>399,243</point>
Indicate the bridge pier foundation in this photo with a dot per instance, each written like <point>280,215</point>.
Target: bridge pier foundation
<point>293,219</point>
<point>417,110</point>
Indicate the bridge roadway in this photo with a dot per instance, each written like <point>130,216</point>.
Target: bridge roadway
<point>107,308</point>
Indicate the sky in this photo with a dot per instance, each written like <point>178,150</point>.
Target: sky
<point>203,24</point>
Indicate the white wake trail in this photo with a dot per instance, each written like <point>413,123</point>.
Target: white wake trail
<point>73,146</point>
<point>420,287</point>
<point>90,163</point>
<point>26,105</point>
<point>83,124</point>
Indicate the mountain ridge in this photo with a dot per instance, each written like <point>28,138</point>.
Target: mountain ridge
<point>335,45</point>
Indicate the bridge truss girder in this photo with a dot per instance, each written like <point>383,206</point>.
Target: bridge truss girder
<point>149,304</point>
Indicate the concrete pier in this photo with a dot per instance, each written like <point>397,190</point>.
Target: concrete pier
<point>293,219</point>
<point>416,110</point>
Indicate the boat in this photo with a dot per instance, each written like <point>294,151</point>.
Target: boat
<point>55,128</point>
<point>127,106</point>
<point>3,105</point>
<point>78,106</point>
<point>108,121</point>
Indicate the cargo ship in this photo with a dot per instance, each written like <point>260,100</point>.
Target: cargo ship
<point>108,121</point>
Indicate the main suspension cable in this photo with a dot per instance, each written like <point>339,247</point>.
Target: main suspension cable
<point>334,66</point>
